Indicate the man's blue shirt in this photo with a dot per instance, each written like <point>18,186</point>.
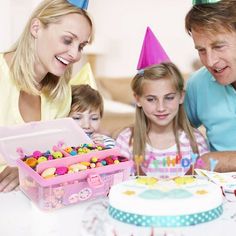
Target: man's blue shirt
<point>212,105</point>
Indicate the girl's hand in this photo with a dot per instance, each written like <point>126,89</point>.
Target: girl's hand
<point>9,179</point>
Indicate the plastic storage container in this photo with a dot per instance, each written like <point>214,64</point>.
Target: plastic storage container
<point>67,189</point>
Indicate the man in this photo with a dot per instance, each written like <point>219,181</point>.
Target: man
<point>211,91</point>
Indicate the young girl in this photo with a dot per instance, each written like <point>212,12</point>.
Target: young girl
<point>162,134</point>
<point>87,110</point>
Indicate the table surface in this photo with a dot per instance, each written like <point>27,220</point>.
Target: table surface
<point>20,217</point>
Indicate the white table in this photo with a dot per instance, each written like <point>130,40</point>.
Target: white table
<point>19,217</point>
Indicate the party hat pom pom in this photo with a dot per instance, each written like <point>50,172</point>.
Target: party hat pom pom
<point>83,4</point>
<point>152,52</point>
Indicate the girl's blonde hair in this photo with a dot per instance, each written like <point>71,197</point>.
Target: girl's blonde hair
<point>139,136</point>
<point>22,65</point>
<point>84,97</point>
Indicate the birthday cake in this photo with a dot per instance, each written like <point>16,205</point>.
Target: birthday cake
<point>181,201</point>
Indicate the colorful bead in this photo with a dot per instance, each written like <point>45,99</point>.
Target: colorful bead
<point>37,154</point>
<point>42,159</point>
<point>50,157</point>
<point>48,173</point>
<point>77,167</point>
<point>99,164</point>
<point>68,149</point>
<point>61,170</point>
<point>31,161</point>
<point>92,165</point>
<point>85,163</point>
<point>94,159</point>
<point>73,153</point>
<point>104,162</point>
<point>109,160</point>
<point>57,155</point>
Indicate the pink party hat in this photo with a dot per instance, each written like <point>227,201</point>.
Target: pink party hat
<point>152,51</point>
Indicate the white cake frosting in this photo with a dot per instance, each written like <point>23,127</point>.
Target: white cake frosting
<point>181,201</point>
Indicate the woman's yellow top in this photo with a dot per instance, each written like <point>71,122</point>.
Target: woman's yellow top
<point>9,100</point>
<point>9,108</point>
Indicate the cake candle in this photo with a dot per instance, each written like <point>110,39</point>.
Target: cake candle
<point>138,159</point>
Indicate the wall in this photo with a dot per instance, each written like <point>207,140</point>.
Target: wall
<point>119,30</point>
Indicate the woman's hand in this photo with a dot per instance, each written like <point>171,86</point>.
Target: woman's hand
<point>9,179</point>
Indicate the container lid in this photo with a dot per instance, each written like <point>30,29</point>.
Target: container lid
<point>39,135</point>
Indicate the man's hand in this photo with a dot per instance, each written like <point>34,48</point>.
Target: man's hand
<point>9,179</point>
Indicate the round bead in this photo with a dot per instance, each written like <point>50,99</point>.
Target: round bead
<point>42,159</point>
<point>104,162</point>
<point>92,165</point>
<point>68,149</point>
<point>94,159</point>
<point>99,164</point>
<point>57,155</point>
<point>116,161</point>
<point>37,154</point>
<point>31,161</point>
<point>61,170</point>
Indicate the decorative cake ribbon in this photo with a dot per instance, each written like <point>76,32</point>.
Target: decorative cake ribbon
<point>197,2</point>
<point>83,4</point>
<point>165,221</point>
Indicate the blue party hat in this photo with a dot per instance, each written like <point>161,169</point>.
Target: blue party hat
<point>197,2</point>
<point>83,4</point>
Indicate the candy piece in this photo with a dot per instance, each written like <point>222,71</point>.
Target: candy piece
<point>31,161</point>
<point>104,162</point>
<point>42,159</point>
<point>57,155</point>
<point>68,149</point>
<point>61,170</point>
<point>85,163</point>
<point>48,173</point>
<point>37,154</point>
<point>109,160</point>
<point>92,165</point>
<point>94,159</point>
<point>50,157</point>
<point>99,164</point>
<point>73,153</point>
<point>77,167</point>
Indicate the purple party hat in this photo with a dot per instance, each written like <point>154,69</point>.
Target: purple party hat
<point>152,51</point>
<point>83,4</point>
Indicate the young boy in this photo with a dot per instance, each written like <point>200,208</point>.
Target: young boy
<point>87,110</point>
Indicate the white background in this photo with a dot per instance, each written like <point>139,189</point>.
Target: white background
<point>120,26</point>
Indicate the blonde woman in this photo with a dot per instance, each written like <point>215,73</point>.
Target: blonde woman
<point>35,72</point>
